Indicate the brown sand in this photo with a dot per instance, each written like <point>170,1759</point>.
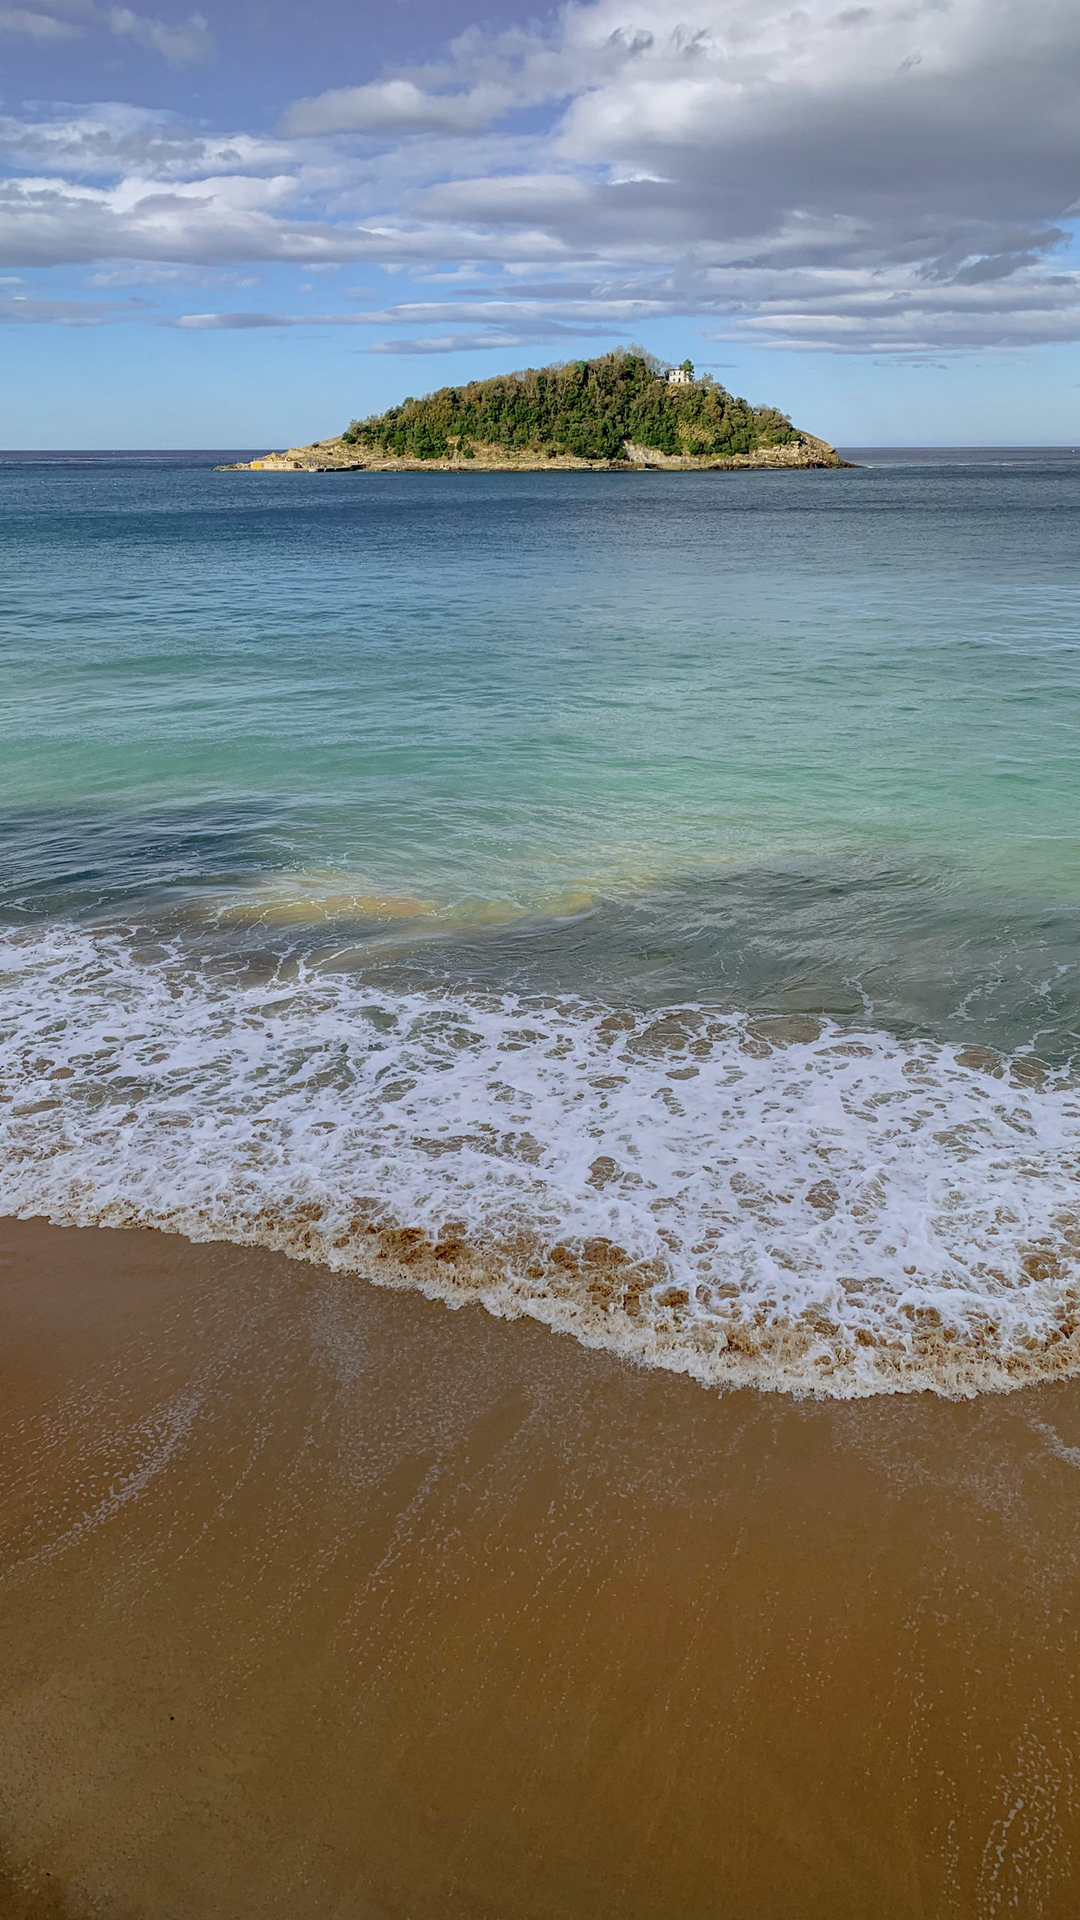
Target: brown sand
<point>321,1601</point>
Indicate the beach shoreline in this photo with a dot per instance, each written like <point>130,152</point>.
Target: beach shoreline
<point>323,1600</point>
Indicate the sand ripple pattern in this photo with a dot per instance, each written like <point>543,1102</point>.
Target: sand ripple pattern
<point>781,1203</point>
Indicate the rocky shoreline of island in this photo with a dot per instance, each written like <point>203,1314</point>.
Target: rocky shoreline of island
<point>341,456</point>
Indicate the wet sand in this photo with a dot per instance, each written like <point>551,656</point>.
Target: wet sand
<point>324,1602</point>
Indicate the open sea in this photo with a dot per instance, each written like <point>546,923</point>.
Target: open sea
<point>646,902</point>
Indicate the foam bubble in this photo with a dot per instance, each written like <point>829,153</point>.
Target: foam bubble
<point>787,1204</point>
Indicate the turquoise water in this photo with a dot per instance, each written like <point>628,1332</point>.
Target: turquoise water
<point>738,747</point>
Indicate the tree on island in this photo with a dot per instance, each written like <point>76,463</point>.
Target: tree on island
<point>588,409</point>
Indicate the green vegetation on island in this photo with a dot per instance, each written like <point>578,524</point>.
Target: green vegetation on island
<point>587,410</point>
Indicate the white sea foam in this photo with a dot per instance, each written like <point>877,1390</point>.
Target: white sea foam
<point>800,1208</point>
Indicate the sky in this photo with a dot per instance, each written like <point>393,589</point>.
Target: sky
<point>244,226</point>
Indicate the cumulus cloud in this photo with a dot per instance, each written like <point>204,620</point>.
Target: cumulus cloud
<point>911,144</point>
<point>213,220</point>
<point>116,142</point>
<point>895,177</point>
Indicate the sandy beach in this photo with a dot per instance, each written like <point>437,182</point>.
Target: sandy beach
<point>322,1601</point>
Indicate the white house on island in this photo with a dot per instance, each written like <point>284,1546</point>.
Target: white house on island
<point>681,377</point>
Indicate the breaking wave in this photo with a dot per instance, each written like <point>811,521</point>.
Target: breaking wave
<point>784,1202</point>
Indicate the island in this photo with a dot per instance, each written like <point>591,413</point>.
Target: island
<point>624,411</point>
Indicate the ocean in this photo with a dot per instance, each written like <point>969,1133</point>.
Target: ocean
<point>644,902</point>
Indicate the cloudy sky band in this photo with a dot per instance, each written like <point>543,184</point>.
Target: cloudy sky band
<point>899,179</point>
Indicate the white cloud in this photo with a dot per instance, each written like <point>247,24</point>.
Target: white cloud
<point>23,310</point>
<point>188,42</point>
<point>397,107</point>
<point>30,25</point>
<point>800,309</point>
<point>230,322</point>
<point>507,199</point>
<point>112,141</point>
<point>158,273</point>
<point>505,324</point>
<point>45,222</point>
<point>452,343</point>
<point>191,41</point>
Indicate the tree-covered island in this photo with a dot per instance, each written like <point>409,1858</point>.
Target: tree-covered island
<point>625,409</point>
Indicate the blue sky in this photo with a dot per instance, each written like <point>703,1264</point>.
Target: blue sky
<point>242,226</point>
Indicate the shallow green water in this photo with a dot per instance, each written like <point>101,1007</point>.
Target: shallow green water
<point>760,735</point>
